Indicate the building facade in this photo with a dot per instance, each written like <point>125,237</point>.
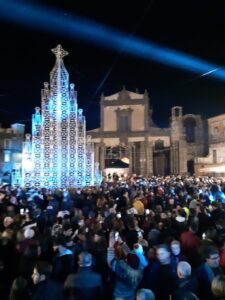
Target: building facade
<point>214,163</point>
<point>128,133</point>
<point>60,154</point>
<point>11,141</point>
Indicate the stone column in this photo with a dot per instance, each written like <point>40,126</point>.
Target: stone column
<point>174,158</point>
<point>142,160</point>
<point>130,147</point>
<point>134,160</point>
<point>149,158</point>
<point>102,157</point>
<point>96,152</point>
<point>182,157</point>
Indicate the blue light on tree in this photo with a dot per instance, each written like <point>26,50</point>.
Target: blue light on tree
<point>59,155</point>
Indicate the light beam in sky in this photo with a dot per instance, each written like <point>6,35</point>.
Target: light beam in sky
<point>55,21</point>
<point>207,73</point>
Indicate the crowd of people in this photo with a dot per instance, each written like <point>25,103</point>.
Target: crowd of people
<point>129,238</point>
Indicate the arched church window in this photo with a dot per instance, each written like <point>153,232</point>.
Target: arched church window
<point>216,130</point>
<point>177,111</point>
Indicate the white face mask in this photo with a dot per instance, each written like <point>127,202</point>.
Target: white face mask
<point>175,248</point>
<point>163,255</point>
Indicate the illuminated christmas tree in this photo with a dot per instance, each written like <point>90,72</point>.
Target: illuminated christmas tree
<point>59,155</point>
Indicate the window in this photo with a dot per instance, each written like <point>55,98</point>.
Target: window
<point>124,119</point>
<point>7,144</point>
<point>177,111</point>
<point>214,157</point>
<point>216,131</point>
<point>190,126</point>
<point>159,145</point>
<point>123,123</point>
<point>6,156</point>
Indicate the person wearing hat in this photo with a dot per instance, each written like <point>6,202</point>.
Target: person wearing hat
<point>85,284</point>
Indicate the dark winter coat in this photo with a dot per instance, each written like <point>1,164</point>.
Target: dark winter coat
<point>127,280</point>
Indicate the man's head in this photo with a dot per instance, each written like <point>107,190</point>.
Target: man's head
<point>145,294</point>
<point>175,247</point>
<point>183,269</point>
<point>85,259</point>
<point>41,271</point>
<point>163,254</point>
<point>212,257</point>
<point>8,221</point>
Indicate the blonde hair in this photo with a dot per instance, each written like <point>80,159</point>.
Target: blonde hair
<point>218,286</point>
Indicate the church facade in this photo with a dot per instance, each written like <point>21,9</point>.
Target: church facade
<point>128,140</point>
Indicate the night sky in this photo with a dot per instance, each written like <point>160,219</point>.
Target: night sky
<point>193,27</point>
